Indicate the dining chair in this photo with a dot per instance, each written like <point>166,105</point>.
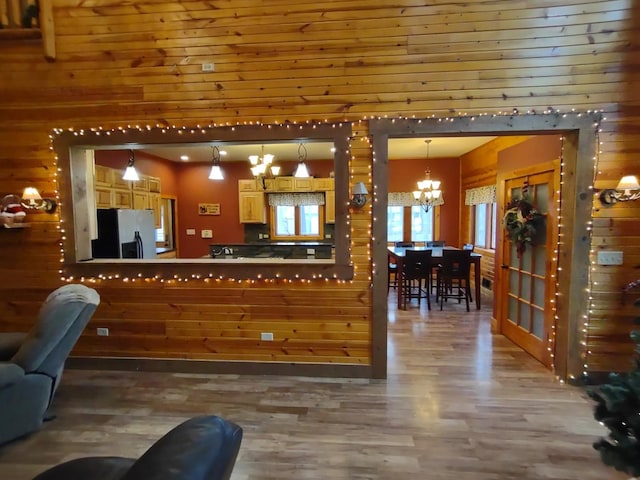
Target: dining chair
<point>392,270</point>
<point>416,268</point>
<point>454,277</point>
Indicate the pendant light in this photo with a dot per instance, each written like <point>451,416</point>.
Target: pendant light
<point>131,173</point>
<point>301,170</point>
<point>216,171</point>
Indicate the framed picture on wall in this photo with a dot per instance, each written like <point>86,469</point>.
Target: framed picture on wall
<point>208,209</point>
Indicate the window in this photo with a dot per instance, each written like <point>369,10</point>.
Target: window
<point>395,224</point>
<point>419,222</point>
<point>485,225</point>
<point>302,221</point>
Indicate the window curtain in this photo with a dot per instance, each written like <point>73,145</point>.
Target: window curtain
<point>295,199</point>
<point>406,199</point>
<point>475,196</point>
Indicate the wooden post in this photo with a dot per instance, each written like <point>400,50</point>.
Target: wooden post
<point>47,29</point>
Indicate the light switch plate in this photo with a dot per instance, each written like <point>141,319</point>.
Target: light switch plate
<point>191,231</point>
<point>609,257</point>
<point>206,233</point>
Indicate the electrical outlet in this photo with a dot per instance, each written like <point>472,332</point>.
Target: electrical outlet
<point>609,257</point>
<point>102,331</point>
<point>191,231</point>
<point>266,336</point>
<point>206,233</point>
<point>208,67</point>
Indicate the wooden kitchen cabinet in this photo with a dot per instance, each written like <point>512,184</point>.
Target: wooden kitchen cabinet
<point>302,184</point>
<point>247,185</point>
<point>103,176</point>
<point>330,206</point>
<point>121,199</point>
<point>104,197</point>
<point>323,184</point>
<point>140,200</point>
<point>154,204</point>
<point>252,207</point>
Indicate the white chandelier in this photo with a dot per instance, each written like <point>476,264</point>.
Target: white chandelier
<point>428,193</point>
<point>262,165</point>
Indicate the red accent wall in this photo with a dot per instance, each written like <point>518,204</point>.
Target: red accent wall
<point>404,174</point>
<point>538,149</point>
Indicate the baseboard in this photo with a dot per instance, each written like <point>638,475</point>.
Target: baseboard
<point>205,366</point>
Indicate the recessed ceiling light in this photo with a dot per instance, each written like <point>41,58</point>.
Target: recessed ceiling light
<point>184,157</point>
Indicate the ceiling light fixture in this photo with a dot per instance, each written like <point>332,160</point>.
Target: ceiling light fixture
<point>301,170</point>
<point>428,193</point>
<point>263,167</point>
<point>131,173</point>
<point>216,171</point>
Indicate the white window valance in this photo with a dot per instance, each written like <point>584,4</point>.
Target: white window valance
<point>296,199</point>
<point>475,196</point>
<point>406,199</point>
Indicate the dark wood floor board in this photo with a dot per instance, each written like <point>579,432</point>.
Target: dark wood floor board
<point>459,404</point>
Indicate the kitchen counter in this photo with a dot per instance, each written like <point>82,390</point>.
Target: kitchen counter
<point>273,250</point>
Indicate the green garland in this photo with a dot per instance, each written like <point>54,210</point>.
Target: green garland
<point>521,222</point>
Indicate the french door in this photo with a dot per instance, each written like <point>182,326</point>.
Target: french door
<point>527,277</point>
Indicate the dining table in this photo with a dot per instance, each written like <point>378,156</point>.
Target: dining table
<point>397,254</point>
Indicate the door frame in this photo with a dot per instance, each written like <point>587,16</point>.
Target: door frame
<point>579,154</point>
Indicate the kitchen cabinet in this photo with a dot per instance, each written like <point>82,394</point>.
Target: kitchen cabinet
<point>103,197</point>
<point>284,184</point>
<point>121,199</point>
<point>247,185</point>
<point>140,200</point>
<point>330,206</point>
<point>103,176</point>
<point>252,207</point>
<point>154,204</point>
<point>323,184</point>
<point>113,192</point>
<point>302,184</point>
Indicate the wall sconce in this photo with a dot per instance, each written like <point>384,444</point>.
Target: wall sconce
<point>623,192</point>
<point>131,173</point>
<point>359,195</point>
<point>31,200</point>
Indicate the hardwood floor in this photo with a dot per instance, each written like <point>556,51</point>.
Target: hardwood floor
<point>458,404</point>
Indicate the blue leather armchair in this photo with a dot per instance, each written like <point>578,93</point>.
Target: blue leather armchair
<point>31,364</point>
<point>202,448</point>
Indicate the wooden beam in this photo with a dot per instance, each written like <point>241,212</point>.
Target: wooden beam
<point>48,30</point>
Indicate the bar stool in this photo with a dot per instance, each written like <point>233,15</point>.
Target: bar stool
<point>453,276</point>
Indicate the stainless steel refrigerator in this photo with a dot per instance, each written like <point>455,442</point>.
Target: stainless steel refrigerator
<point>124,233</point>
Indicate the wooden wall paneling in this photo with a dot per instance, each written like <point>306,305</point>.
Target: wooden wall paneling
<point>119,64</point>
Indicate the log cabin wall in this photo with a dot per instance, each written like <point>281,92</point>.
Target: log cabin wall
<point>121,63</point>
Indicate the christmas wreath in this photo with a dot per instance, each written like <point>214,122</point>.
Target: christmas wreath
<point>522,221</point>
